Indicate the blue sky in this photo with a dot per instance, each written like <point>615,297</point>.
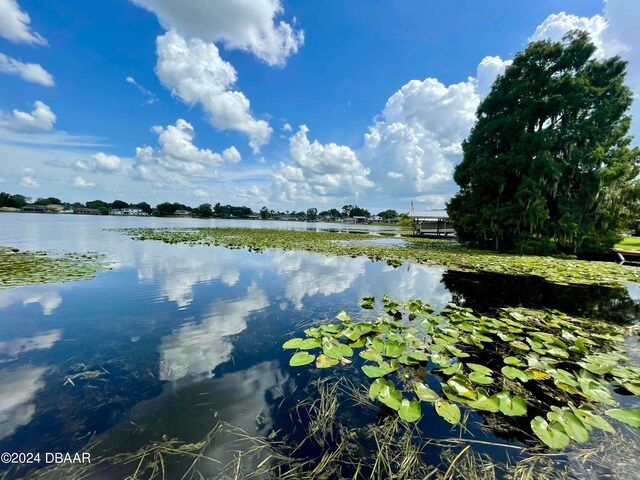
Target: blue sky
<point>262,102</point>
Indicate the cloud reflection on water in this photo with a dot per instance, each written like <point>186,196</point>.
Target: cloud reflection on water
<point>18,388</point>
<point>49,300</point>
<point>306,275</point>
<point>198,348</point>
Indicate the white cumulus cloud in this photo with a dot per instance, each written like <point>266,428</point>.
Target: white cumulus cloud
<point>615,32</point>
<point>248,25</point>
<point>106,163</point>
<point>415,144</point>
<point>318,172</point>
<point>99,162</point>
<point>487,72</point>
<point>195,73</point>
<point>15,24</point>
<point>81,182</point>
<point>41,119</point>
<point>28,179</point>
<point>557,25</point>
<point>178,154</point>
<point>31,72</point>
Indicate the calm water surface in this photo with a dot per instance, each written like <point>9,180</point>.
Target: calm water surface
<point>182,337</point>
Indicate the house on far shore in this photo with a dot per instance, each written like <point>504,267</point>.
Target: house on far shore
<point>128,211</point>
<point>181,213</point>
<point>359,219</point>
<point>34,208</point>
<point>53,208</point>
<point>86,211</point>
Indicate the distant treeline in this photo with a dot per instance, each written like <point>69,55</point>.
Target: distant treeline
<point>165,209</point>
<point>204,210</point>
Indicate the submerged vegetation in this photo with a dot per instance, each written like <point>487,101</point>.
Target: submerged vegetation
<point>418,250</point>
<point>331,445</point>
<point>552,369</point>
<point>19,268</point>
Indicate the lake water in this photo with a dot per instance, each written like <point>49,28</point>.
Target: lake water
<point>181,338</point>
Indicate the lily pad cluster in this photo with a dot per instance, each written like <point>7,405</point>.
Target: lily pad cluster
<point>19,268</point>
<point>448,253</point>
<point>551,368</point>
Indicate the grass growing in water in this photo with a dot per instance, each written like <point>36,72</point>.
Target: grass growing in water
<point>27,268</point>
<point>389,448</point>
<point>418,250</point>
<point>550,368</point>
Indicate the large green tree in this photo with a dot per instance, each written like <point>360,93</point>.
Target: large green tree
<point>547,166</point>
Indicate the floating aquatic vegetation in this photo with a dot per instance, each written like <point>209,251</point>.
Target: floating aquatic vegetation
<point>87,375</point>
<point>385,449</point>
<point>27,268</point>
<point>555,369</point>
<point>454,256</point>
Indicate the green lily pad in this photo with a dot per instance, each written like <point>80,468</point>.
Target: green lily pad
<point>301,358</point>
<point>479,378</point>
<point>381,370</point>
<point>410,411</point>
<point>630,416</point>
<point>330,330</point>
<point>325,362</point>
<point>520,344</point>
<point>633,387</point>
<point>376,385</point>
<point>368,302</point>
<point>371,355</point>
<point>406,360</point>
<point>573,426</point>
<point>453,369</point>
<point>334,349</point>
<point>485,402</point>
<point>514,361</point>
<point>302,344</point>
<point>513,373</point>
<point>391,397</point>
<point>418,356</point>
<point>393,348</point>
<point>354,331</point>
<point>424,393</point>
<point>449,411</point>
<point>580,345</point>
<point>479,368</point>
<point>440,359</point>
<point>462,386</point>
<point>552,434</point>
<point>343,316</point>
<point>511,406</point>
<point>590,419</point>
<point>594,389</point>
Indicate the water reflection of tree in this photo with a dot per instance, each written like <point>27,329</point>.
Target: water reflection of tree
<point>486,292</point>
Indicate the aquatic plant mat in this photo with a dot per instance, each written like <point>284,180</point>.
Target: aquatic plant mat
<point>418,250</point>
<point>19,268</point>
<point>403,393</point>
<point>386,449</point>
<point>552,369</point>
